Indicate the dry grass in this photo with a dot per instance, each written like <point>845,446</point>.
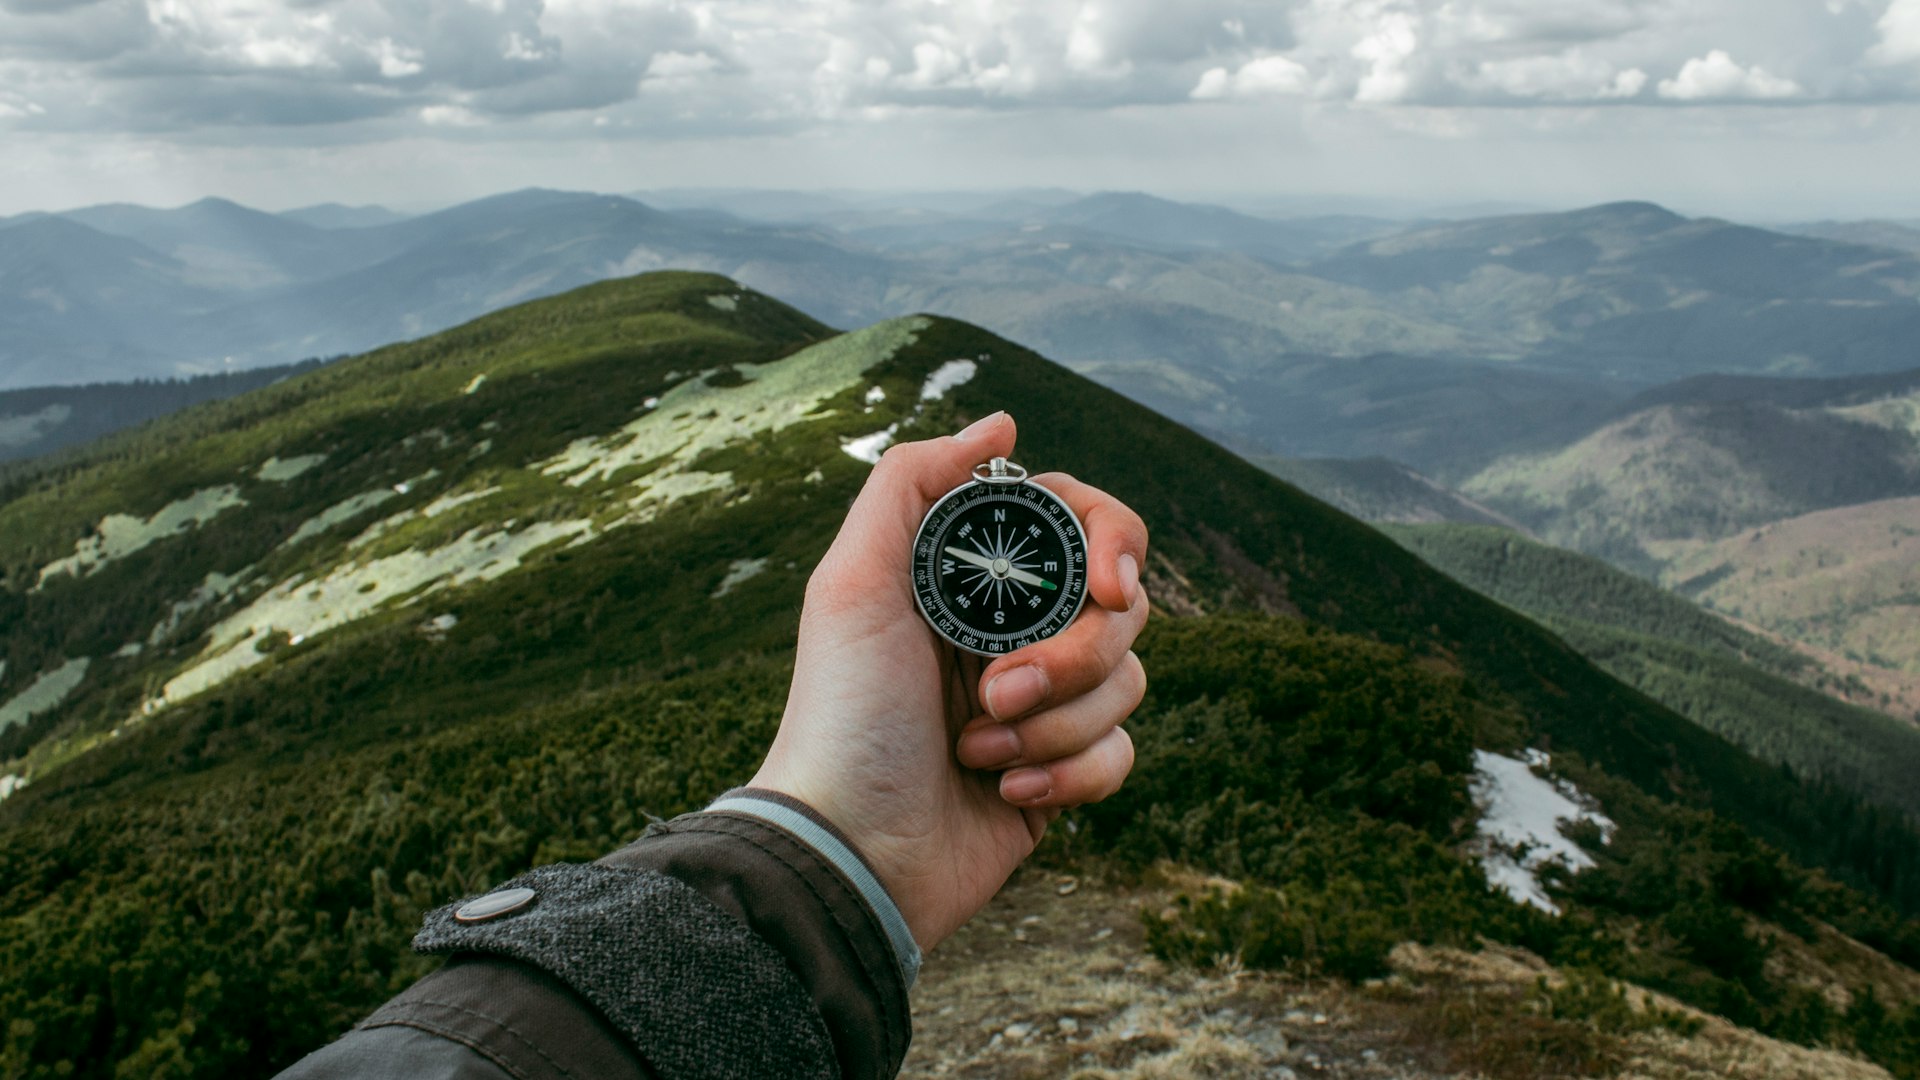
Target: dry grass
<point>1053,980</point>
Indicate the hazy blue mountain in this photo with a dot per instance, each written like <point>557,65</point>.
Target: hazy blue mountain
<point>1381,491</point>
<point>1634,289</point>
<point>1784,393</point>
<point>79,305</point>
<point>231,247</point>
<point>1163,224</point>
<point>1903,235</point>
<point>473,258</point>
<point>334,215</point>
<point>214,286</point>
<point>1452,416</point>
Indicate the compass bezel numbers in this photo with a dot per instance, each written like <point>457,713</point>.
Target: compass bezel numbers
<point>1044,507</point>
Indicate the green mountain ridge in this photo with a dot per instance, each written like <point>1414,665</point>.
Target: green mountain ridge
<point>559,551</point>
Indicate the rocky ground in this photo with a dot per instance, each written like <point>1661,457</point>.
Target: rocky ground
<point>1053,980</point>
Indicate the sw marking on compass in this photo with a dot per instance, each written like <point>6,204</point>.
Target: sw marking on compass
<point>999,565</point>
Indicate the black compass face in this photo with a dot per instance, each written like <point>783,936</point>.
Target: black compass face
<point>999,565</point>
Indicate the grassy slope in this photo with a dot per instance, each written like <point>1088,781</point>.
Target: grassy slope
<point>1846,579</point>
<point>375,760</point>
<point>1669,474</point>
<point>1730,681</point>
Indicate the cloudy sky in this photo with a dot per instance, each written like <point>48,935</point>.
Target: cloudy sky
<point>1760,108</point>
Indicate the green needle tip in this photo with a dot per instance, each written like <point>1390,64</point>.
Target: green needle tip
<point>1048,585</point>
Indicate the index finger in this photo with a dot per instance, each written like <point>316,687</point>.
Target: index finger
<point>1116,539</point>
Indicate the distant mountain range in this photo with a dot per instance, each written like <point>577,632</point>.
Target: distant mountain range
<point>1541,318</point>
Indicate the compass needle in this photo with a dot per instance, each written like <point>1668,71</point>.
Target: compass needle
<point>999,562</point>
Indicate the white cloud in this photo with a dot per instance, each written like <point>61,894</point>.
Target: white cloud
<point>1571,76</point>
<point>1386,51</point>
<point>1899,31</point>
<point>1716,77</point>
<point>367,70</point>
<point>1265,77</point>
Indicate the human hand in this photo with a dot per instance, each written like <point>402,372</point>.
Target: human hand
<point>883,732</point>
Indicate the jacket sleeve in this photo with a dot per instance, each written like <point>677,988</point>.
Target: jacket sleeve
<point>748,940</point>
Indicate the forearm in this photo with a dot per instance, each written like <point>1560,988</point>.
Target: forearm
<point>718,944</point>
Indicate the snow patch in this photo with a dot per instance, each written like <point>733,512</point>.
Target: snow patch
<point>11,783</point>
<point>1520,819</point>
<point>477,382</point>
<point>947,376</point>
<point>739,571</point>
<point>876,395</point>
<point>693,418</point>
<point>436,628</point>
<point>303,608</point>
<point>130,649</point>
<point>120,535</point>
<point>44,693</point>
<point>278,471</point>
<point>724,302</point>
<point>868,448</point>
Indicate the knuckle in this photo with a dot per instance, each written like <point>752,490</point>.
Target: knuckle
<point>1133,680</point>
<point>897,455</point>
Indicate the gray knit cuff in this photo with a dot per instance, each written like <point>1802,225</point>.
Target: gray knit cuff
<point>673,973</point>
<point>782,813</point>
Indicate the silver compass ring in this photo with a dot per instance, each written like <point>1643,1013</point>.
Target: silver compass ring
<point>999,471</point>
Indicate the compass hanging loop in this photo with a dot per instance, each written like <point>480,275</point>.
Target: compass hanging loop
<point>999,471</point>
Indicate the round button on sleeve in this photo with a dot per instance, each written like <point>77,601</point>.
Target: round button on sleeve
<point>494,904</point>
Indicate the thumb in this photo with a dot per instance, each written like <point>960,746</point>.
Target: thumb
<point>879,530</point>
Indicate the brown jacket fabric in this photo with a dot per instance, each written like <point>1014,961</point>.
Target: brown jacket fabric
<point>717,945</point>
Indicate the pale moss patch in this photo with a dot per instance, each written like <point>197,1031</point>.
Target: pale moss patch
<point>694,418</point>
<point>439,506</point>
<point>301,609</point>
<point>339,514</point>
<point>724,302</point>
<point>279,471</point>
<point>44,693</point>
<point>120,535</point>
<point>215,587</point>
<point>1897,413</point>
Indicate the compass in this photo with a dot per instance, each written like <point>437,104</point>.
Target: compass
<point>999,562</point>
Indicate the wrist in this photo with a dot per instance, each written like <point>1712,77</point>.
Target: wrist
<point>801,820</point>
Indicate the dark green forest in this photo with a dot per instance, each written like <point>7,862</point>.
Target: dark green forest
<point>92,410</point>
<point>234,918</point>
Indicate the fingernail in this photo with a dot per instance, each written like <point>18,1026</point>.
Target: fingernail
<point>974,429</point>
<point>1129,578</point>
<point>1026,785</point>
<point>990,747</point>
<point>1012,693</point>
